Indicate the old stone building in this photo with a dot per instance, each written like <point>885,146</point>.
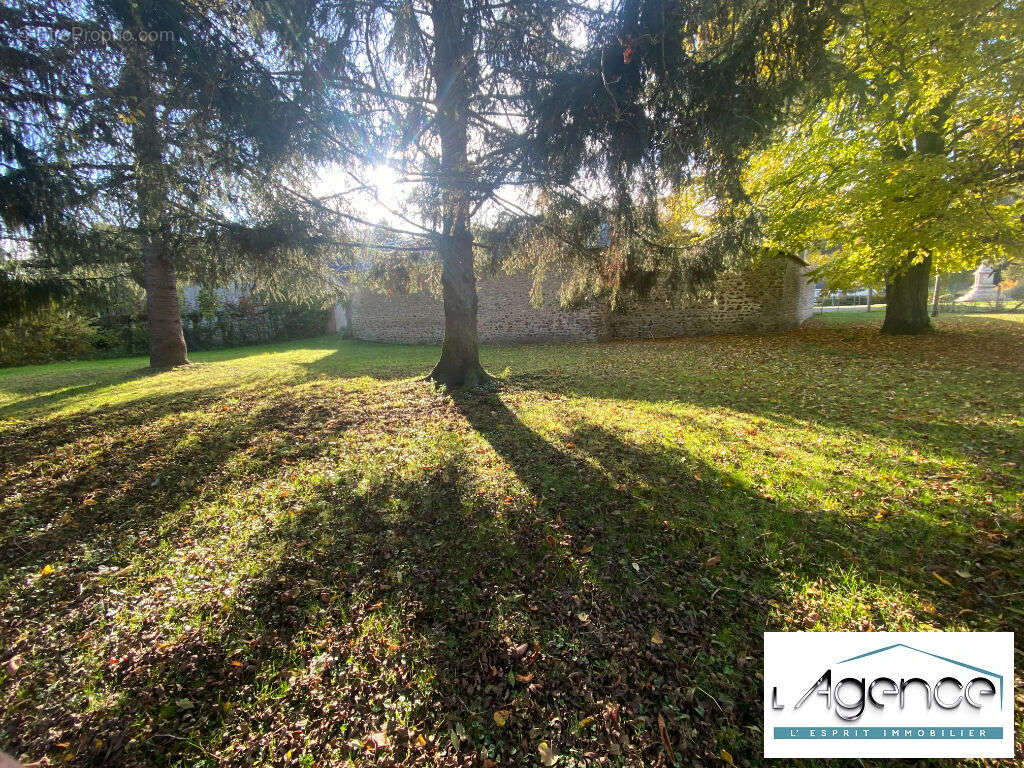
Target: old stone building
<point>773,296</point>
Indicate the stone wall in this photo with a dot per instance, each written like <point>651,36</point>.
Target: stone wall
<point>773,296</point>
<point>414,318</point>
<point>505,315</point>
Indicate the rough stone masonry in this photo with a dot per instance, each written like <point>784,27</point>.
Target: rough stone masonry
<point>772,296</point>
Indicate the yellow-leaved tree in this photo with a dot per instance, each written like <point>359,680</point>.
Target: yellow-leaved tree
<point>913,162</point>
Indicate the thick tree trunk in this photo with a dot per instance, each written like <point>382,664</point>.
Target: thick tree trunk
<point>163,315</point>
<point>906,304</point>
<point>166,339</point>
<point>906,288</point>
<point>459,365</point>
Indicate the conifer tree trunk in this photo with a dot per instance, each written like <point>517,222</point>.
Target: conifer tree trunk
<point>459,365</point>
<point>163,315</point>
<point>906,299</point>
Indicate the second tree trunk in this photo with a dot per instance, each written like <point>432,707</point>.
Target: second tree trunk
<point>163,315</point>
<point>906,299</point>
<point>459,365</point>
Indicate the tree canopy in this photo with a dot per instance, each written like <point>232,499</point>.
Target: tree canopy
<point>166,138</point>
<point>147,140</point>
<point>917,155</point>
<point>546,121</point>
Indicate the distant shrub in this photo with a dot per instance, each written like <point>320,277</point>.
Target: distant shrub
<point>232,323</point>
<point>121,335</point>
<point>47,335</point>
<point>65,332</point>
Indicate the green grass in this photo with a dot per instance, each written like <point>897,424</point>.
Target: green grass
<point>851,315</point>
<point>302,554</point>
<point>875,315</point>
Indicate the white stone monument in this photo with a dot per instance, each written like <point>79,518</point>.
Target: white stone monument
<point>983,289</point>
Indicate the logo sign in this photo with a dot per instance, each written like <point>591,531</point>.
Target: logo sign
<point>895,694</point>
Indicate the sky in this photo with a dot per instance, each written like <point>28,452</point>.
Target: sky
<point>387,202</point>
<point>377,205</point>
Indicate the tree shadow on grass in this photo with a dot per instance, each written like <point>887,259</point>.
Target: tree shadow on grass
<point>711,560</point>
<point>53,399</point>
<point>62,384</point>
<point>123,465</point>
<point>98,510</point>
<point>412,589</point>
<point>598,603</point>
<point>836,379</point>
<point>354,359</point>
<point>402,603</point>
<point>106,473</point>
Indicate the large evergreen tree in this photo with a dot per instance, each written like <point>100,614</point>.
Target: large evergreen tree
<point>474,99</point>
<point>160,138</point>
<point>149,139</point>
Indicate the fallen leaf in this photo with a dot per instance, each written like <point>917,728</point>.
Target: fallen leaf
<point>713,561</point>
<point>184,704</point>
<point>657,639</point>
<point>47,570</point>
<point>586,550</point>
<point>376,740</point>
<point>663,735</point>
<point>945,581</point>
<point>726,756</point>
<point>525,678</point>
<point>547,755</point>
<point>501,717</point>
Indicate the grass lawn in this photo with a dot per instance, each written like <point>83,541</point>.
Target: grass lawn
<point>857,315</point>
<point>875,315</point>
<point>302,555</point>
